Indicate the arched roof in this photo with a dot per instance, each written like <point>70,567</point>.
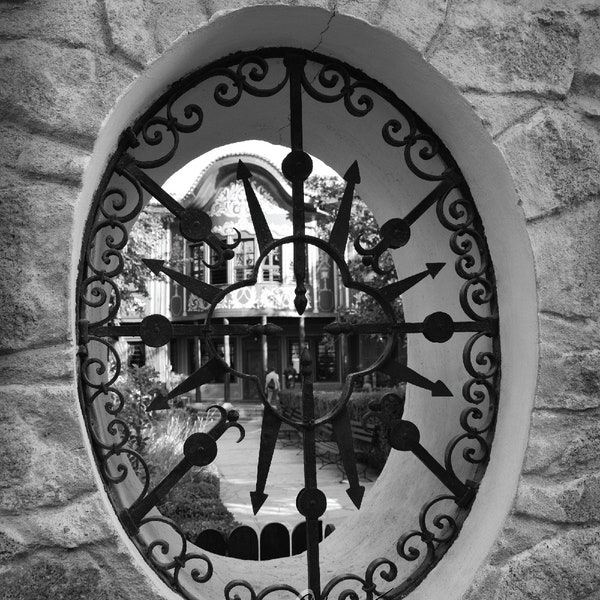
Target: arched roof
<point>222,171</point>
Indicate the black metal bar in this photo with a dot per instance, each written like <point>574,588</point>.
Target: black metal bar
<point>341,227</point>
<point>199,449</point>
<point>405,436</point>
<point>127,165</point>
<point>393,290</point>
<point>268,439</point>
<point>295,64</point>
<point>310,476</point>
<point>487,325</point>
<point>261,227</point>
<point>342,430</point>
<point>452,180</point>
<point>191,284</point>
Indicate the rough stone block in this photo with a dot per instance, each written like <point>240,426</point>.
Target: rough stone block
<point>564,568</point>
<point>129,32</point>
<point>555,161</point>
<point>363,9</point>
<point>520,533</point>
<point>43,462</point>
<point>36,251</point>
<point>498,113</point>
<point>562,335</point>
<point>566,250</point>
<point>80,523</point>
<point>9,547</point>
<point>168,24</point>
<point>73,23</point>
<point>12,142</point>
<point>216,6</point>
<point>74,575</point>
<point>570,381</point>
<point>563,445</point>
<point>40,365</point>
<point>47,158</point>
<point>59,90</point>
<point>416,22</point>
<point>493,47</point>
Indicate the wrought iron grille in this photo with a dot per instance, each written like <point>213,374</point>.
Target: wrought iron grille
<point>153,141</point>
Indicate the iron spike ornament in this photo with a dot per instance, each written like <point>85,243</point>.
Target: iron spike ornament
<point>295,78</point>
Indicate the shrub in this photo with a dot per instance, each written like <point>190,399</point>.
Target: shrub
<point>194,503</point>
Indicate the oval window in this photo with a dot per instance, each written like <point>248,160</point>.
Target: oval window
<point>359,319</point>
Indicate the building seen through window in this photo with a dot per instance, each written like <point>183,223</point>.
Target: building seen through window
<point>215,189</point>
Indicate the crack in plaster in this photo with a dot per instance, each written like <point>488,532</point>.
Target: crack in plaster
<point>327,26</point>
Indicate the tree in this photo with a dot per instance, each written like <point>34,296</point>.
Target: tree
<point>144,239</point>
<point>326,192</point>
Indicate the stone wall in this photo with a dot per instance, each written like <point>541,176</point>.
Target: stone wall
<point>530,69</point>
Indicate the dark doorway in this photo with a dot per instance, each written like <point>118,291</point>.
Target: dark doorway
<point>253,364</point>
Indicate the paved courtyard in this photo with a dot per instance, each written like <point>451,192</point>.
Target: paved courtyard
<point>237,469</point>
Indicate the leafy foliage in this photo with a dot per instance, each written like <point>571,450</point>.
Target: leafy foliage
<point>138,385</point>
<point>195,503</point>
<point>326,192</point>
<point>144,240</point>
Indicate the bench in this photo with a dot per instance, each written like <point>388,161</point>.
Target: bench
<point>365,440</point>
<point>289,432</point>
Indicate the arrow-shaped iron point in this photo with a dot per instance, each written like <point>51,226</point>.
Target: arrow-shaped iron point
<point>393,290</point>
<point>263,234</point>
<point>268,440</point>
<point>127,164</point>
<point>342,430</point>
<point>402,372</point>
<point>341,227</point>
<point>206,373</point>
<point>159,401</point>
<point>195,286</point>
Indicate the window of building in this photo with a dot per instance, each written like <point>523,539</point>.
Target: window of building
<point>218,274</point>
<point>325,354</point>
<point>197,261</point>
<point>136,354</point>
<point>271,270</point>
<point>326,359</point>
<point>244,259</point>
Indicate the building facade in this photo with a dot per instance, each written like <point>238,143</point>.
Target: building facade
<point>217,191</point>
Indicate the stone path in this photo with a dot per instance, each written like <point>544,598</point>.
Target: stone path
<point>237,469</point>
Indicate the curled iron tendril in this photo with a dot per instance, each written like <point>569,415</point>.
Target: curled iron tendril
<point>335,78</point>
<point>252,594</point>
<point>381,567</point>
<point>445,524</point>
<point>475,450</point>
<point>174,563</point>
<point>484,365</point>
<point>424,145</point>
<point>116,199</point>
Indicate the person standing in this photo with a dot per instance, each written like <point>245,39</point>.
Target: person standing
<point>272,386</point>
<point>289,376</point>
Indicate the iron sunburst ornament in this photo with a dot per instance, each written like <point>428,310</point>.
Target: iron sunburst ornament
<point>121,197</point>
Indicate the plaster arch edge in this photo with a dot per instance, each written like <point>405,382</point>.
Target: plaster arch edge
<point>393,62</point>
